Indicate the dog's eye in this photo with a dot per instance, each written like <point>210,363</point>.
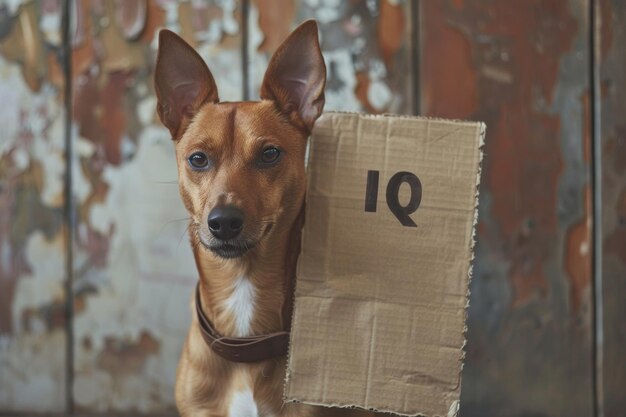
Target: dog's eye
<point>198,161</point>
<point>270,155</point>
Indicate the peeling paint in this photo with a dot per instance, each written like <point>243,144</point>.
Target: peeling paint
<point>23,45</point>
<point>274,19</point>
<point>28,381</point>
<point>131,17</point>
<point>454,77</point>
<point>127,356</point>
<point>522,68</point>
<point>578,255</point>
<point>391,30</point>
<point>526,194</point>
<point>32,245</point>
<point>615,242</point>
<point>365,46</point>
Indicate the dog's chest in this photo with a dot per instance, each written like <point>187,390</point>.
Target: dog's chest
<point>242,404</point>
<point>240,305</point>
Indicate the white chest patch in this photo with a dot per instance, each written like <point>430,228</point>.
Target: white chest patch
<point>241,305</point>
<point>242,405</point>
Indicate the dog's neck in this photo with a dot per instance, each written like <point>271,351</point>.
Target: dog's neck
<point>248,296</point>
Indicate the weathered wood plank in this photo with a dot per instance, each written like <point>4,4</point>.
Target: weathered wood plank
<point>612,64</point>
<point>133,272</point>
<point>523,68</point>
<point>366,46</point>
<point>32,233</point>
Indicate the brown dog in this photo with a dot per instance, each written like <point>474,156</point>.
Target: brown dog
<point>242,179</point>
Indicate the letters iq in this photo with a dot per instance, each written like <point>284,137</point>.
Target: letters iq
<point>401,212</point>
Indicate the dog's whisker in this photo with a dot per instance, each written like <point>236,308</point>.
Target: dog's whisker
<point>164,225</point>
<point>182,235</point>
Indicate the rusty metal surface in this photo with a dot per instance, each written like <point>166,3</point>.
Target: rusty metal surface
<point>133,270</point>
<point>523,68</point>
<point>612,73</point>
<point>366,46</point>
<point>32,239</point>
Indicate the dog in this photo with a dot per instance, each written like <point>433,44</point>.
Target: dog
<point>242,179</point>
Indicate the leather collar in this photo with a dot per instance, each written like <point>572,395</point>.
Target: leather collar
<point>241,349</point>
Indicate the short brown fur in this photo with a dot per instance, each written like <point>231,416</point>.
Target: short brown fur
<point>233,135</point>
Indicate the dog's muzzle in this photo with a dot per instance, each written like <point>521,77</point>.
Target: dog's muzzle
<point>229,251</point>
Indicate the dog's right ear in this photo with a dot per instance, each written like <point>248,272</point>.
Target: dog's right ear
<point>182,81</point>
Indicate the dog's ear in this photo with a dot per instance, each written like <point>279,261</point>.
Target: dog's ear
<point>182,81</point>
<point>296,76</point>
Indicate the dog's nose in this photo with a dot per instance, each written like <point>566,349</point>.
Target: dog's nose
<point>225,222</point>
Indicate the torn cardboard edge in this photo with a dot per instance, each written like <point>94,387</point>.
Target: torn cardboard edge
<point>452,412</point>
<point>455,405</point>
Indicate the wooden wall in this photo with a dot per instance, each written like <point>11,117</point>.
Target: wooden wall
<point>95,267</point>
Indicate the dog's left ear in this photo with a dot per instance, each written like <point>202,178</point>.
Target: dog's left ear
<point>296,76</point>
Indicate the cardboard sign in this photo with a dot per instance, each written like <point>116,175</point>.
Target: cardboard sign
<point>383,276</point>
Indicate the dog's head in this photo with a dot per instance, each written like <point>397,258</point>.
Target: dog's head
<point>241,165</point>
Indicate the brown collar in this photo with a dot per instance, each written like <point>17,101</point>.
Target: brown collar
<point>241,349</point>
